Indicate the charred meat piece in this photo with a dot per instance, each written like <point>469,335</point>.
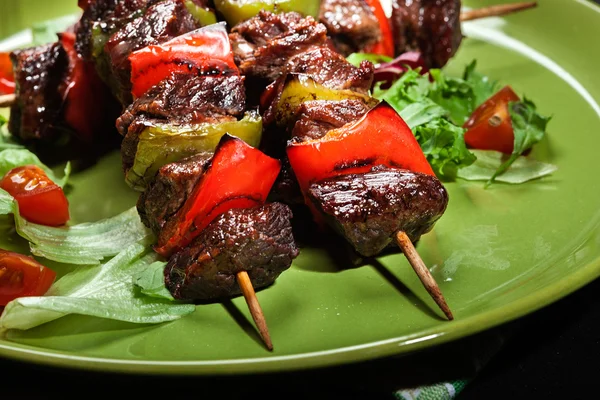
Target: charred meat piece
<point>263,44</point>
<point>181,99</point>
<point>170,190</point>
<point>108,12</point>
<point>351,24</point>
<point>161,22</point>
<point>431,27</point>
<point>258,240</point>
<point>318,117</point>
<point>331,70</point>
<point>40,93</point>
<point>368,209</point>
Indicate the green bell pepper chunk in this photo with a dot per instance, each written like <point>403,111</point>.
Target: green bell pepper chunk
<point>203,15</point>
<point>161,144</point>
<point>301,88</point>
<point>236,11</point>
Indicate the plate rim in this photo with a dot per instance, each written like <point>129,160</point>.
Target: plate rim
<point>409,344</point>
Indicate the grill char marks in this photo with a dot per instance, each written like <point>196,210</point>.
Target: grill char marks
<point>351,24</point>
<point>316,118</point>
<point>172,186</point>
<point>263,44</point>
<point>181,99</point>
<point>331,70</point>
<point>39,73</point>
<point>161,22</point>
<point>431,27</point>
<point>258,240</point>
<point>368,209</point>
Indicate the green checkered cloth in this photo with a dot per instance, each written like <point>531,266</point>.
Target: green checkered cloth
<point>439,391</point>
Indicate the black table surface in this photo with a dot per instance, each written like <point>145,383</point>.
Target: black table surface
<point>553,353</point>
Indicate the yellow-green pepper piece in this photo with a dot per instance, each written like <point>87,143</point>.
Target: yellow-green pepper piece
<point>163,143</point>
<point>301,88</point>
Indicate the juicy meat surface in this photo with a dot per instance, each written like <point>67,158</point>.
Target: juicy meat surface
<point>39,73</point>
<point>318,117</point>
<point>181,99</point>
<point>431,27</point>
<point>258,240</point>
<point>351,24</point>
<point>368,209</point>
<point>108,12</point>
<point>168,192</point>
<point>331,70</point>
<point>263,44</point>
<point>161,22</point>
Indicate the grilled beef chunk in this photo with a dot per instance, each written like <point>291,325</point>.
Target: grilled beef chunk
<point>108,12</point>
<point>368,209</point>
<point>258,240</point>
<point>318,117</point>
<point>39,73</point>
<point>263,44</point>
<point>161,22</point>
<point>331,70</point>
<point>181,99</point>
<point>169,191</point>
<point>431,27</point>
<point>351,24</point>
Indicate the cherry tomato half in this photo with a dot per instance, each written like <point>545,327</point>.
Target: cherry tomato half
<point>40,200</point>
<point>22,276</point>
<point>490,126</point>
<point>7,79</point>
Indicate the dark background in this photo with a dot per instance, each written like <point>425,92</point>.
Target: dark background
<point>551,354</point>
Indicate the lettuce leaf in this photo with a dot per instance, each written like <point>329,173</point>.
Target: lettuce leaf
<point>105,291</point>
<point>483,88</point>
<point>444,146</point>
<point>523,169</point>
<point>83,244</point>
<point>45,32</point>
<point>151,281</point>
<point>529,128</point>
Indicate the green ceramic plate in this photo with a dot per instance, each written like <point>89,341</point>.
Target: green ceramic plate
<point>497,254</point>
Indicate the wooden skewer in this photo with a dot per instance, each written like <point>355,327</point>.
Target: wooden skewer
<point>254,306</point>
<point>423,272</point>
<point>496,11</point>
<point>7,100</point>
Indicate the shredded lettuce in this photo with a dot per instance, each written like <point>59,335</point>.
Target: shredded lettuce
<point>83,244</point>
<point>151,281</point>
<point>523,169</point>
<point>105,291</point>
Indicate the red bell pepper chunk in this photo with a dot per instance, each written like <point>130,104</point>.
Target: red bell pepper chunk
<point>490,125</point>
<point>380,137</point>
<point>203,51</point>
<point>87,99</point>
<point>386,45</point>
<point>7,78</point>
<point>239,176</point>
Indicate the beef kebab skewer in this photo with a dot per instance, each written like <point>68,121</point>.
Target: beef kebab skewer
<point>358,166</point>
<point>479,13</point>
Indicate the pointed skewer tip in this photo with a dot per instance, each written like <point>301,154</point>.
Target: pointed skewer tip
<point>423,272</point>
<point>254,307</point>
<point>496,11</point>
